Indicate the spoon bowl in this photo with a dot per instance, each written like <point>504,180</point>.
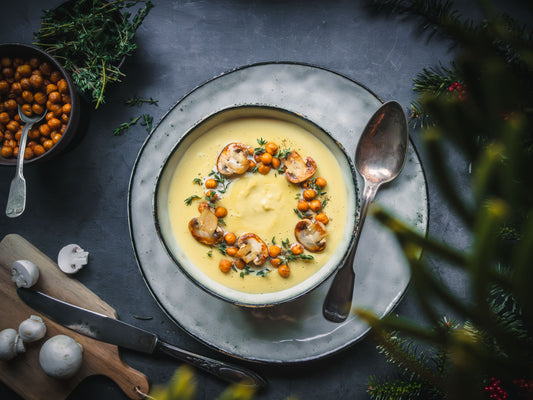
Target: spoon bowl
<point>379,158</point>
<point>16,201</point>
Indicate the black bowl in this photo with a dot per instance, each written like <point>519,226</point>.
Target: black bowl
<point>73,133</point>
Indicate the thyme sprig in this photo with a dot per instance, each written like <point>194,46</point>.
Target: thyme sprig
<point>138,101</point>
<point>91,39</point>
<point>123,127</point>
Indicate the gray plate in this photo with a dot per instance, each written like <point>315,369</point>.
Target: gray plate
<point>297,331</point>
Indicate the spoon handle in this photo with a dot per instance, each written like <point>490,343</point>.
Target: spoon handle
<point>16,201</point>
<point>338,301</point>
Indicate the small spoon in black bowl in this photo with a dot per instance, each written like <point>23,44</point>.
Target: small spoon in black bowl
<point>379,158</point>
<point>16,201</point>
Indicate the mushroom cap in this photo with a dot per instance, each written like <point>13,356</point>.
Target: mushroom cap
<point>72,258</point>
<point>252,249</point>
<point>24,273</point>
<point>233,159</point>
<point>205,228</point>
<point>311,234</point>
<point>61,357</point>
<point>298,169</point>
<point>10,344</point>
<point>32,329</point>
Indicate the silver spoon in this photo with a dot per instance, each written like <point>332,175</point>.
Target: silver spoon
<point>379,158</point>
<point>16,201</point>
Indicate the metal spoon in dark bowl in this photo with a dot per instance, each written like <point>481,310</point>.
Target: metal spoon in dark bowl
<point>379,158</point>
<point>16,201</point>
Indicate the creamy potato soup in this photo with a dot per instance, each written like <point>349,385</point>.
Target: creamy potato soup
<point>224,226</point>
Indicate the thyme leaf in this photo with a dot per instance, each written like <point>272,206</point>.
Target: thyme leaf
<point>188,200</point>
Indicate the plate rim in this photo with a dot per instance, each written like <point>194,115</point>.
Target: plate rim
<point>392,305</point>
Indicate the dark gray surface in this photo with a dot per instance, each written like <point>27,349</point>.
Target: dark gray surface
<point>81,197</point>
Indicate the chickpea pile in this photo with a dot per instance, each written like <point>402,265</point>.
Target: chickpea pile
<point>310,206</point>
<point>36,86</point>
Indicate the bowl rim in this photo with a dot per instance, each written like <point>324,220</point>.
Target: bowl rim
<point>308,288</point>
<point>75,103</point>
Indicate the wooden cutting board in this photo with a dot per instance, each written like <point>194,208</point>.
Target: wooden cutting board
<point>24,374</point>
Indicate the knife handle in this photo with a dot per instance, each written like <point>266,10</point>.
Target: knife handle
<point>229,372</point>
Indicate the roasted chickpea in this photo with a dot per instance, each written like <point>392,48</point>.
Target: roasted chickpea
<point>34,62</point>
<point>6,62</point>
<point>27,96</point>
<point>315,205</point>
<point>49,116</point>
<point>18,135</point>
<point>45,130</point>
<point>203,206</point>
<point>34,134</point>
<point>321,217</point>
<point>4,87</point>
<point>257,157</point>
<point>28,153</point>
<point>263,168</point>
<point>274,251</point>
<point>6,151</point>
<point>238,263</point>
<point>303,205</point>
<point>275,262</point>
<point>13,126</point>
<point>39,98</point>
<point>276,162</point>
<point>37,108</point>
<point>66,108</point>
<point>271,148</point>
<point>36,81</point>
<point>284,271</point>
<point>54,97</point>
<point>26,109</point>
<point>56,137</point>
<point>252,165</point>
<point>224,265</point>
<point>64,119</point>
<point>51,88</point>
<point>321,183</point>
<point>232,251</point>
<point>24,70</point>
<point>45,68</point>
<point>10,105</point>
<point>211,194</point>
<point>297,248</point>
<point>211,183</point>
<point>54,123</point>
<point>309,194</point>
<point>55,76</point>
<point>62,86</point>
<point>16,88</point>
<point>230,238</point>
<point>48,144</point>
<point>4,118</point>
<point>8,72</point>
<point>221,212</point>
<point>266,158</point>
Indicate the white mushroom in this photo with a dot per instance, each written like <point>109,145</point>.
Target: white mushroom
<point>10,344</point>
<point>24,273</point>
<point>311,234</point>
<point>252,249</point>
<point>233,160</point>
<point>205,228</point>
<point>32,329</point>
<point>298,169</point>
<point>61,357</point>
<point>72,258</point>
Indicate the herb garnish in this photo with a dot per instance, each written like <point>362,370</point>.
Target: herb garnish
<point>221,179</point>
<point>210,253</point>
<point>90,38</point>
<point>189,199</point>
<point>147,122</point>
<point>222,248</point>
<point>283,154</point>
<point>137,101</point>
<point>198,181</point>
<point>125,126</point>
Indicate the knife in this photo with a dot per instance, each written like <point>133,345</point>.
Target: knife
<point>111,330</point>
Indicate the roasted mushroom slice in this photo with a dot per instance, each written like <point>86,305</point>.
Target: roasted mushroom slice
<point>252,249</point>
<point>205,228</point>
<point>298,169</point>
<point>233,160</point>
<point>311,234</point>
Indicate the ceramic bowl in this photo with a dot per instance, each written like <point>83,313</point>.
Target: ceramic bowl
<point>73,132</point>
<point>179,255</point>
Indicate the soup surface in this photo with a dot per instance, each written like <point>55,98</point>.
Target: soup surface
<point>263,204</point>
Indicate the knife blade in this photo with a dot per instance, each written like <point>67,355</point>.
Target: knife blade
<point>110,330</point>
